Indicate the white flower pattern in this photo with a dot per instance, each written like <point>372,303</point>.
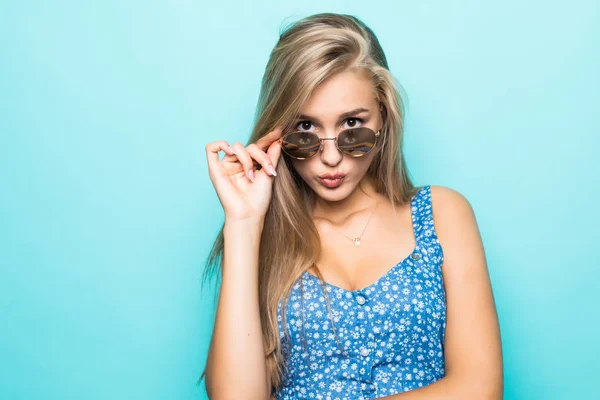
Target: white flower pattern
<point>391,333</point>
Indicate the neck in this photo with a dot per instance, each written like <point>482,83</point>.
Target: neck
<point>362,198</point>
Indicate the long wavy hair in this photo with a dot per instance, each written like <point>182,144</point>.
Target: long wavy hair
<point>307,53</point>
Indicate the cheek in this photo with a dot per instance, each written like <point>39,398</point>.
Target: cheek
<point>305,168</point>
<point>361,165</point>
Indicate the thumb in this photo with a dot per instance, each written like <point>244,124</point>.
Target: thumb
<point>274,152</point>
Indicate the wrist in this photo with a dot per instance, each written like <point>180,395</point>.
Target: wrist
<point>253,223</point>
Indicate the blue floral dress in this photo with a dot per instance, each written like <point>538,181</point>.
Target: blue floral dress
<point>391,333</point>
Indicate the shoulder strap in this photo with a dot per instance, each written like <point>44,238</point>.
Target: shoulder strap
<point>425,231</point>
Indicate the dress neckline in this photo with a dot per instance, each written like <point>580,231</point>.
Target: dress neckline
<point>415,220</point>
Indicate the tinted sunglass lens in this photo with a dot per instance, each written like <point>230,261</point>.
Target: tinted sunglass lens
<point>301,144</point>
<point>356,142</point>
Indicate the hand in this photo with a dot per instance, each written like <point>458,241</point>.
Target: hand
<point>244,193</point>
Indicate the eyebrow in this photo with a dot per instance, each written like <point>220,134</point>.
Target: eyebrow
<point>342,116</point>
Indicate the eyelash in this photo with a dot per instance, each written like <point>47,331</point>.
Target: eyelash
<point>360,120</point>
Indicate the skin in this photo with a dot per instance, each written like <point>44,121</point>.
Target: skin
<point>472,347</point>
<point>347,208</point>
<point>342,92</point>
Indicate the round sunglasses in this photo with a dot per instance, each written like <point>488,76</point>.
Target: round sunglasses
<point>354,142</point>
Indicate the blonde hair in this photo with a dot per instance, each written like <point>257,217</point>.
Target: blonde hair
<point>308,52</point>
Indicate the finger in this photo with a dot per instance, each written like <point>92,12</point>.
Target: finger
<point>265,141</point>
<point>261,158</point>
<point>274,153</point>
<point>212,152</point>
<point>245,159</point>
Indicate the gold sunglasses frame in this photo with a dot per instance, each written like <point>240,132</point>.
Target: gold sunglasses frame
<point>377,134</point>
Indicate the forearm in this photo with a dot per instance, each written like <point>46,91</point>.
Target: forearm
<point>451,388</point>
<point>236,367</point>
<point>442,389</point>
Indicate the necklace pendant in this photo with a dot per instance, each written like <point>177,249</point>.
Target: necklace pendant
<point>356,241</point>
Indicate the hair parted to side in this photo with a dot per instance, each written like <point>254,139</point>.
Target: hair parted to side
<point>307,53</point>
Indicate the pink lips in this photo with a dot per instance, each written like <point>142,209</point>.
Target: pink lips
<point>332,180</point>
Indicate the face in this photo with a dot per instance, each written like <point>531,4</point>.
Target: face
<point>348,91</point>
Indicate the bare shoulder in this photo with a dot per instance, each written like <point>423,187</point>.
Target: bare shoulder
<point>449,202</point>
<point>455,222</point>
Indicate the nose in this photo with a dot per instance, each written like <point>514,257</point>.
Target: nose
<point>330,154</point>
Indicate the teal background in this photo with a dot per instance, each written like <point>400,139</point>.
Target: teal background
<point>107,212</point>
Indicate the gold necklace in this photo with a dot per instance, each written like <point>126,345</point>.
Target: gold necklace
<point>357,239</point>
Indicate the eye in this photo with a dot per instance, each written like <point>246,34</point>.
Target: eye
<point>354,124</point>
<point>304,125</point>
<point>350,123</point>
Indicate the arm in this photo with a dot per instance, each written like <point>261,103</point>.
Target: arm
<point>236,367</point>
<point>472,347</point>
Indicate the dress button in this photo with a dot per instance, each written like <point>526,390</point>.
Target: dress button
<point>360,300</point>
<point>415,256</point>
<point>364,352</point>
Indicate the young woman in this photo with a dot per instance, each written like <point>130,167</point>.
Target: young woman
<point>340,279</point>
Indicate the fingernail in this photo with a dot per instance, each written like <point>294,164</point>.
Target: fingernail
<point>232,150</point>
<point>251,175</point>
<point>272,170</point>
